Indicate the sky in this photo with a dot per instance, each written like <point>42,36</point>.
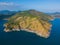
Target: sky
<point>40,5</point>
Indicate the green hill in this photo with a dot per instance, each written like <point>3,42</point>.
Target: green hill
<point>31,21</point>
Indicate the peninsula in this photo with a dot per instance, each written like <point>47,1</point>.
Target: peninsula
<point>31,21</point>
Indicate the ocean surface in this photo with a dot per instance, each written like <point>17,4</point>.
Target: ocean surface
<point>26,38</point>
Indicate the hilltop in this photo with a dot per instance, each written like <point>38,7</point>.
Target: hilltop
<point>31,21</point>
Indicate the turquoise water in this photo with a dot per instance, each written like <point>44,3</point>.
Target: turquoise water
<point>26,38</point>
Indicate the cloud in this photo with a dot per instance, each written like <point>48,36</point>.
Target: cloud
<point>8,4</point>
<point>11,6</point>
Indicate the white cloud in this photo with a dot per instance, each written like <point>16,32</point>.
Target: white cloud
<point>11,6</point>
<point>8,4</point>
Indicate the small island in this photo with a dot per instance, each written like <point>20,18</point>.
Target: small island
<point>31,21</point>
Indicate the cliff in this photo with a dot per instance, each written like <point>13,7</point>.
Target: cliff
<point>31,21</point>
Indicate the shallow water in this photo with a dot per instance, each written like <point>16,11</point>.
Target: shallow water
<point>26,38</point>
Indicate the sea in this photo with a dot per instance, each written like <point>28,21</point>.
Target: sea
<point>28,38</point>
